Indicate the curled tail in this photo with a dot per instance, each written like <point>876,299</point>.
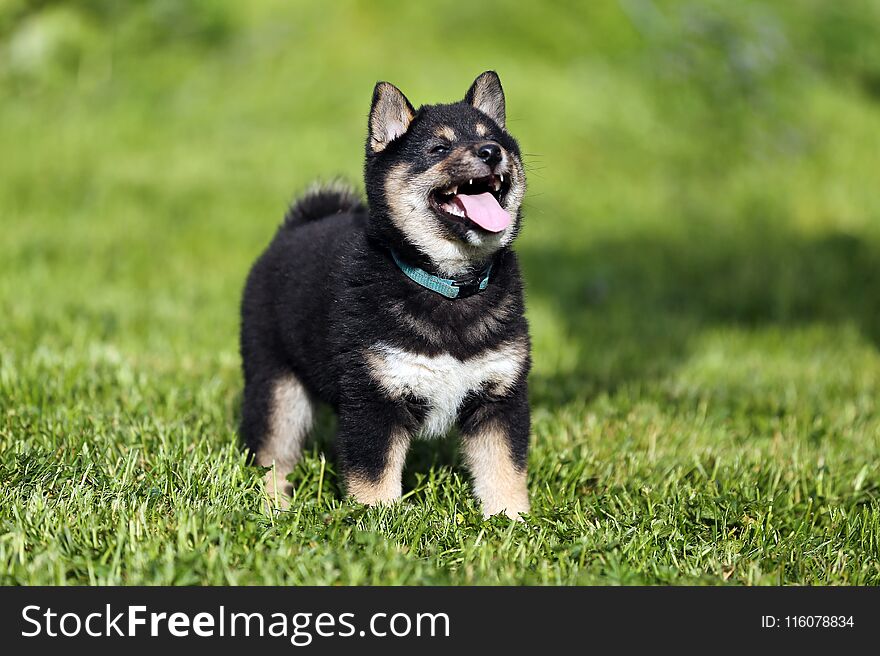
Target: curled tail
<point>320,200</point>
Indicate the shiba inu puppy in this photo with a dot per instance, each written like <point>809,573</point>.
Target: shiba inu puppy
<point>405,314</point>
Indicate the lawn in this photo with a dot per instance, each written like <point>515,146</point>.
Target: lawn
<point>702,261</point>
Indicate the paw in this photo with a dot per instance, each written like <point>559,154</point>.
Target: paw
<point>276,490</point>
<point>511,509</point>
<point>504,492</point>
<point>389,501</point>
<point>374,494</point>
<point>381,492</point>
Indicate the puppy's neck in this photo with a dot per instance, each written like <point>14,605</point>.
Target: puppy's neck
<point>448,259</point>
<point>454,265</point>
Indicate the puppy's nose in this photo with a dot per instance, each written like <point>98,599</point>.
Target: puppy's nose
<point>489,152</point>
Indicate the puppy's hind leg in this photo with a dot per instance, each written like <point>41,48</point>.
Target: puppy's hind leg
<point>276,418</point>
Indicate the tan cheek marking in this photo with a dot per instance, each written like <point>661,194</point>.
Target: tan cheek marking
<point>389,487</point>
<point>404,198</point>
<point>395,180</point>
<point>482,130</point>
<point>518,188</point>
<point>405,192</point>
<point>498,483</point>
<point>407,197</point>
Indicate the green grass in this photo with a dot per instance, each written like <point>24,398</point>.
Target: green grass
<point>702,259</point>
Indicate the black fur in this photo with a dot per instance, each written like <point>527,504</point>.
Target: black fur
<point>322,201</point>
<point>327,289</point>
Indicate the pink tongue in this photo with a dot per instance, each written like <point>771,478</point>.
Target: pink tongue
<point>485,211</point>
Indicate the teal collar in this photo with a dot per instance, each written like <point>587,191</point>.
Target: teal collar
<point>445,286</point>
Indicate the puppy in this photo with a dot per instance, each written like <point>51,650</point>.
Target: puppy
<point>405,314</point>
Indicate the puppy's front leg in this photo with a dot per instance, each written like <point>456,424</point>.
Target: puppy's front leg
<point>495,443</point>
<point>372,448</point>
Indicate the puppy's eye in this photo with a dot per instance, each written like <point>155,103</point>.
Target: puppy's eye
<point>440,149</point>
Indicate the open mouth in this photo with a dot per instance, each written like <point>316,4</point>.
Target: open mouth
<point>477,201</point>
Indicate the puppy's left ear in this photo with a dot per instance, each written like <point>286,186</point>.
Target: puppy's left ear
<point>390,116</point>
<point>487,95</point>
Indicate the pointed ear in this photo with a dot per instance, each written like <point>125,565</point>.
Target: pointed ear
<point>487,95</point>
<point>390,116</point>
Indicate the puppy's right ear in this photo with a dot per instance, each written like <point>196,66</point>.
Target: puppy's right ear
<point>487,95</point>
<point>390,116</point>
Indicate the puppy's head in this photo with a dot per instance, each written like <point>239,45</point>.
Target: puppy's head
<point>446,180</point>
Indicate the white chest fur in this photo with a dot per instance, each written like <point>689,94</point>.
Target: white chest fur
<point>442,380</point>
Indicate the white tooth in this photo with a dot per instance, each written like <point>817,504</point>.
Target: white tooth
<point>501,175</point>
<point>453,189</point>
<point>471,181</point>
<point>496,185</point>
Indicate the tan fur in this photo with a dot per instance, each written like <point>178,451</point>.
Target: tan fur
<point>408,199</point>
<point>498,483</point>
<point>515,351</point>
<point>290,419</point>
<point>515,195</point>
<point>389,487</point>
<point>445,132</point>
<point>482,130</point>
<point>418,325</point>
<point>492,320</point>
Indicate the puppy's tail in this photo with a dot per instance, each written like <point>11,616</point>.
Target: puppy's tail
<point>322,200</point>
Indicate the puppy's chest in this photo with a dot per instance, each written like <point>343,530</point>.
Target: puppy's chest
<point>442,381</point>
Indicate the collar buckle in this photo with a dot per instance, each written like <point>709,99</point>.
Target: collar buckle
<point>471,287</point>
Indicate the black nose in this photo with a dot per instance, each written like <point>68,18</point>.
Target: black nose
<point>489,153</point>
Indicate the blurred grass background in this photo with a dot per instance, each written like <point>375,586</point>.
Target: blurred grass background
<point>701,251</point>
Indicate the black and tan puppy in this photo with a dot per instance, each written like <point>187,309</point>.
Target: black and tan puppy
<point>405,315</point>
